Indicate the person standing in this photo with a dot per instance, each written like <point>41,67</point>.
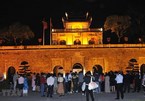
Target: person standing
<point>119,85</point>
<point>15,80</point>
<point>107,83</point>
<point>66,83</point>
<point>137,82</point>
<point>37,82</point>
<point>21,84</point>
<point>81,79</point>
<point>60,88</point>
<point>70,82</point>
<point>50,84</point>
<point>42,84</point>
<point>112,81</point>
<point>33,82</point>
<point>75,82</point>
<point>87,80</point>
<point>55,84</point>
<point>143,83</point>
<point>127,81</point>
<point>25,86</point>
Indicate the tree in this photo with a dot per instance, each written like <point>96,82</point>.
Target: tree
<point>117,24</point>
<point>137,13</point>
<point>17,32</point>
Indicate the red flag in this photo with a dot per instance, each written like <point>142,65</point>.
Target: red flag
<point>45,25</point>
<point>50,23</point>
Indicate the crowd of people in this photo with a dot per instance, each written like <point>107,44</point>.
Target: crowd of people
<point>49,84</point>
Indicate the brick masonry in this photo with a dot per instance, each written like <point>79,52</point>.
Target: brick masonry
<point>45,59</point>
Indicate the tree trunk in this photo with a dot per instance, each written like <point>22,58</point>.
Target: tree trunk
<point>118,34</point>
<point>119,39</point>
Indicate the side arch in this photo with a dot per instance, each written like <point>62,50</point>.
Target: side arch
<point>97,69</point>
<point>58,69</point>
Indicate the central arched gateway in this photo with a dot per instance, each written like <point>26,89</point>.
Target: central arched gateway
<point>77,67</point>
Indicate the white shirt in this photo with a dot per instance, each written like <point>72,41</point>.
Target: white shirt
<point>50,81</point>
<point>119,78</point>
<point>20,80</point>
<point>60,79</point>
<point>69,77</point>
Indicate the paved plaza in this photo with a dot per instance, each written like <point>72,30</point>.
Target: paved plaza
<point>35,96</point>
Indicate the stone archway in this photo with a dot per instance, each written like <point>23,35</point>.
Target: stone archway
<point>77,67</point>
<point>97,68</point>
<point>58,69</point>
<point>77,42</point>
<point>133,65</point>
<point>24,68</point>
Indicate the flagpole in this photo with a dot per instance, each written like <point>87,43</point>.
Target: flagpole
<point>44,28</point>
<point>50,30</point>
<point>43,36</point>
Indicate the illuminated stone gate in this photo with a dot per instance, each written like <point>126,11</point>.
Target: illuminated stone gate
<point>75,46</point>
<point>46,58</point>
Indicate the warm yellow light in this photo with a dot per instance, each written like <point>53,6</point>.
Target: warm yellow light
<point>69,40</point>
<point>77,25</point>
<point>101,29</point>
<point>87,14</point>
<point>84,71</point>
<point>85,41</point>
<point>52,30</point>
<point>64,74</point>
<point>5,76</point>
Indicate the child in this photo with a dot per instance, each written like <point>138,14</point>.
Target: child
<point>25,87</point>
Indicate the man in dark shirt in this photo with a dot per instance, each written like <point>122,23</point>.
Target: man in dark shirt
<point>87,80</point>
<point>127,81</point>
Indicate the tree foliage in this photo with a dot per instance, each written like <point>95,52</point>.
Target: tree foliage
<point>16,32</point>
<point>117,24</point>
<point>138,18</point>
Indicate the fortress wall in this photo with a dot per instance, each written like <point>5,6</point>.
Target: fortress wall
<point>44,60</point>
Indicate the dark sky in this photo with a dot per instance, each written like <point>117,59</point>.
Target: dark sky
<point>31,12</point>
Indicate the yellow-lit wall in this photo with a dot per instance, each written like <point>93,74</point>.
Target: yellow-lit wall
<point>45,59</point>
<point>76,31</point>
<point>76,25</point>
<point>84,37</point>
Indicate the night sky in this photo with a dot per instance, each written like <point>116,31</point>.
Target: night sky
<point>31,12</point>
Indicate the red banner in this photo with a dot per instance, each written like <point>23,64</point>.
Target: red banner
<point>45,25</point>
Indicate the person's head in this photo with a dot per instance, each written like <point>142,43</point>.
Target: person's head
<point>60,74</point>
<point>88,73</point>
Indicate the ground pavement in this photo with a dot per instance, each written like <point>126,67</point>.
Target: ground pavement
<point>35,96</point>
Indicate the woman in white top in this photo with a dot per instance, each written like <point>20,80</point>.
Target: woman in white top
<point>60,88</point>
<point>107,83</point>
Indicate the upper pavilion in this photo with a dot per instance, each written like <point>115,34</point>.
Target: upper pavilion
<point>76,31</point>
